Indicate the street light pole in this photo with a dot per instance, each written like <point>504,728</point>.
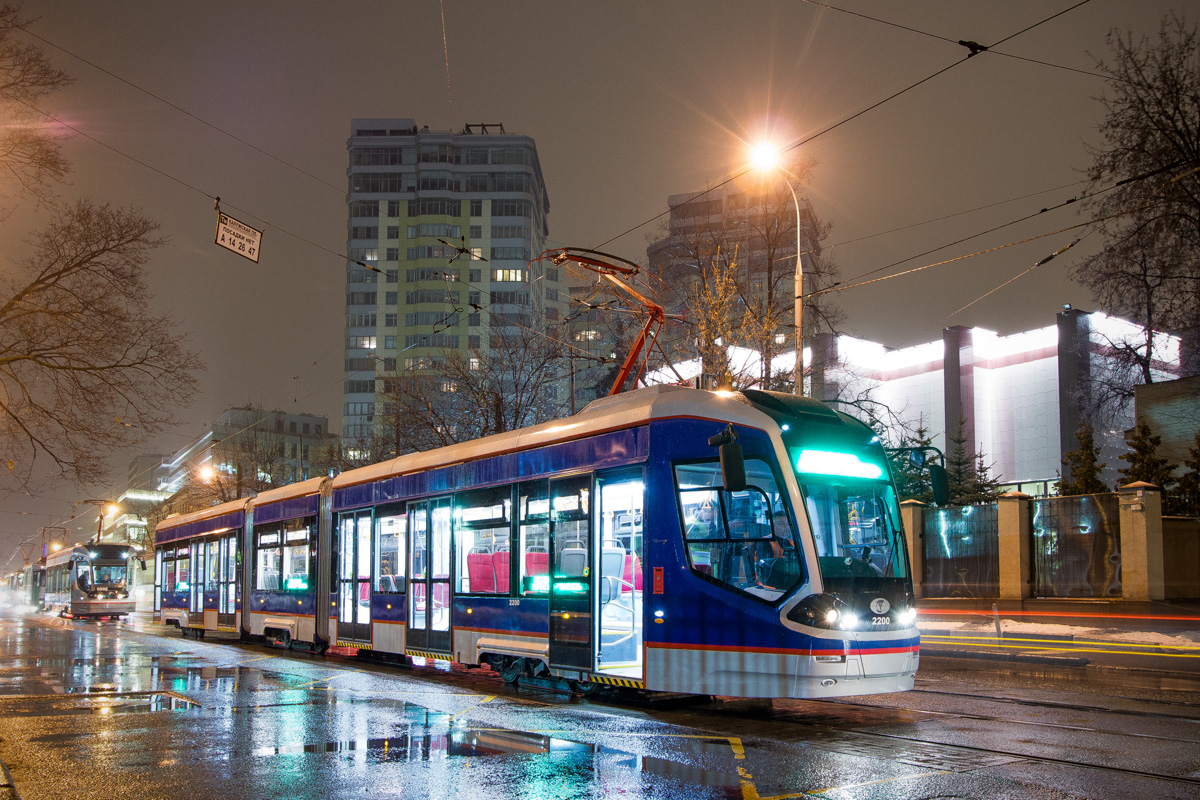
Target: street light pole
<point>766,157</point>
<point>799,299</point>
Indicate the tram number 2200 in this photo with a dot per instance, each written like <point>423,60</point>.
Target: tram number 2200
<point>881,620</point>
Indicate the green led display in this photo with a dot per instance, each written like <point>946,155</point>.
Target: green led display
<point>828,462</point>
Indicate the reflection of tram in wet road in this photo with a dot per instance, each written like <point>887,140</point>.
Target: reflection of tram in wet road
<point>667,539</point>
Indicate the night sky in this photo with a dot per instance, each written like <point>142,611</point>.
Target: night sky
<point>628,102</point>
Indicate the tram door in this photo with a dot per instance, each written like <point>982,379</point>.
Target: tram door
<point>571,573</point>
<point>429,576</point>
<point>196,585</point>
<point>354,577</point>
<point>227,579</point>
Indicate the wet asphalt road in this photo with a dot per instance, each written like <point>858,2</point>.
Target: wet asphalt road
<point>131,710</point>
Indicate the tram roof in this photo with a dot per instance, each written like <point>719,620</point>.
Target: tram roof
<point>301,489</point>
<point>204,513</point>
<point>608,413</point>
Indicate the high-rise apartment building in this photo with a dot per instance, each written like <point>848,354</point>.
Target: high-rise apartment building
<point>447,225</point>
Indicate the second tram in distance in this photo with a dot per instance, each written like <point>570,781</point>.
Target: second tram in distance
<point>612,547</point>
<point>90,580</point>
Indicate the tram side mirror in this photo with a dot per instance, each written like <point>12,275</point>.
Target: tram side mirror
<point>940,483</point>
<point>733,465</point>
<point>142,562</point>
<point>733,468</point>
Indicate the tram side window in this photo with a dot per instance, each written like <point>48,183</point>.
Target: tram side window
<point>168,571</point>
<point>744,540</point>
<point>297,555</point>
<point>533,503</point>
<point>268,561</point>
<point>570,504</point>
<point>481,540</point>
<point>390,528</point>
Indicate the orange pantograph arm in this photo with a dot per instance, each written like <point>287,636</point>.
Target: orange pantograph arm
<point>591,259</point>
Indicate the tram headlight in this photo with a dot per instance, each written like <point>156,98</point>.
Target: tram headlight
<point>907,617</point>
<point>849,621</point>
<point>819,611</point>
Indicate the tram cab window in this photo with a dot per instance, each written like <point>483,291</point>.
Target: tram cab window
<point>110,576</point>
<point>742,540</point>
<point>83,576</point>
<point>856,526</point>
<point>390,529</point>
<point>533,503</point>
<point>481,540</point>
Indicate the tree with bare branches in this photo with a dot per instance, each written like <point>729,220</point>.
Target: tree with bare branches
<point>466,394</point>
<point>29,146</point>
<point>746,231</point>
<point>1149,269</point>
<point>85,366</point>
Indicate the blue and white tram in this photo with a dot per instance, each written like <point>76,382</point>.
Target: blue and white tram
<point>612,548</point>
<point>197,568</point>
<point>90,580</point>
<point>283,536</point>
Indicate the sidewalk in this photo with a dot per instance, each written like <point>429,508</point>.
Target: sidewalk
<point>1156,636</point>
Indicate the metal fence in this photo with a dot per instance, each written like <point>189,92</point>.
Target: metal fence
<point>962,552</point>
<point>1076,546</point>
<point>1178,503</point>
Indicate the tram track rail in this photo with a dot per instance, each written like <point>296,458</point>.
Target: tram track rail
<point>841,733</point>
<point>1072,706</point>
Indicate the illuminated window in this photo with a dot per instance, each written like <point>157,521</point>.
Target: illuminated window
<point>508,275</point>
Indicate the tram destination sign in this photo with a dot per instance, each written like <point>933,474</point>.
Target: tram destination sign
<point>237,236</point>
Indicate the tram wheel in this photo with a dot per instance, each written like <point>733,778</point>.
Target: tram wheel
<point>511,669</point>
<point>585,688</point>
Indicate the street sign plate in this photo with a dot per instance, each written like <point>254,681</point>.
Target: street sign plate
<point>237,236</point>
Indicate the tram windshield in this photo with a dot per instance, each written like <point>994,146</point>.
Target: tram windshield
<point>856,526</point>
<point>111,576</point>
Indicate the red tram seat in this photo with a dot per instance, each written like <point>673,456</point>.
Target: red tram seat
<point>479,570</point>
<point>632,575</point>
<point>537,563</point>
<point>500,564</point>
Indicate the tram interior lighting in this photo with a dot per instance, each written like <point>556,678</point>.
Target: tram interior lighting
<point>828,462</point>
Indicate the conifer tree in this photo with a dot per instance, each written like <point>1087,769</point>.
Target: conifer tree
<point>912,476</point>
<point>1083,466</point>
<point>1143,461</point>
<point>1188,483</point>
<point>982,487</point>
<point>960,465</point>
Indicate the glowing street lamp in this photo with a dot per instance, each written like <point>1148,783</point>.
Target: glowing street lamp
<point>766,158</point>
